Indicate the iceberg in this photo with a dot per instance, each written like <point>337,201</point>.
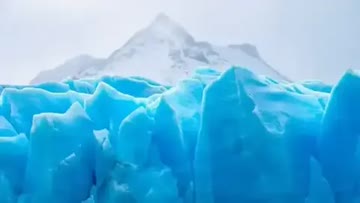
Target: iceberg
<point>212,138</point>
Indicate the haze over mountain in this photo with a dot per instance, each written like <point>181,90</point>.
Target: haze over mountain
<point>164,51</point>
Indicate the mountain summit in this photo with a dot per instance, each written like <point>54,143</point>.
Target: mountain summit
<point>162,24</point>
<point>164,51</point>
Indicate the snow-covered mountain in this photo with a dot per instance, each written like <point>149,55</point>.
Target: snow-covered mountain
<point>164,51</point>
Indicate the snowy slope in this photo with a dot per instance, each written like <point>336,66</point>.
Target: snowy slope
<point>165,52</point>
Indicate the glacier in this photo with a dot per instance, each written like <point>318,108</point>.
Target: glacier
<point>215,137</point>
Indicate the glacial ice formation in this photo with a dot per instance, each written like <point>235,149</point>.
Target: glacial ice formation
<point>232,137</point>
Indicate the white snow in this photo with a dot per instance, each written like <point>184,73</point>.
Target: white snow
<point>163,52</point>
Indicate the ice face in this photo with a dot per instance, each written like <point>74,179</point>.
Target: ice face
<point>212,138</point>
<point>257,146</point>
<point>60,162</point>
<point>338,144</point>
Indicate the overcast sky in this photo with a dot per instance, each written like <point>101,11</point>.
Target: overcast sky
<point>319,38</point>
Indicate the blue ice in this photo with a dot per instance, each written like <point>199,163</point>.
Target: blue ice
<point>215,137</point>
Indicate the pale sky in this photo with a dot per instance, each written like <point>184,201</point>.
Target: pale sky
<point>319,38</point>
